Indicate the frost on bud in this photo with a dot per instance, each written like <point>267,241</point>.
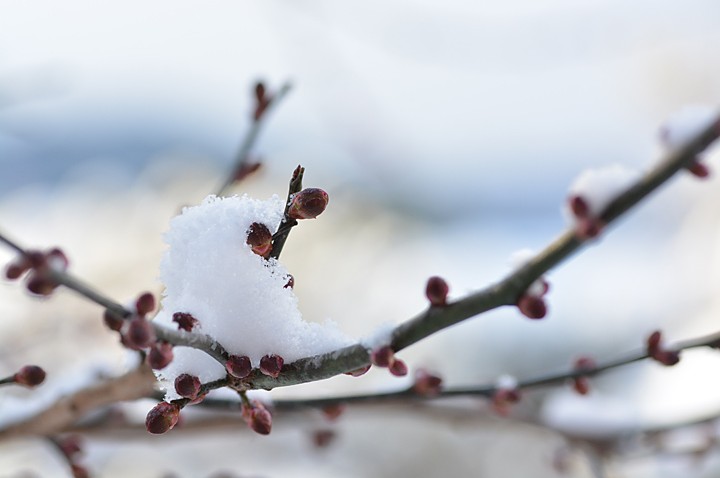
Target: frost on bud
<point>30,376</point>
<point>259,238</point>
<point>437,291</point>
<point>162,417</point>
<point>382,356</point>
<point>258,418</point>
<point>308,204</point>
<point>532,307</point>
<point>112,320</point>
<point>185,321</point>
<point>238,366</point>
<point>188,386</point>
<point>358,372</point>
<point>333,412</point>
<point>145,303</point>
<point>160,355</point>
<point>271,365</point>
<point>139,334</point>
<point>427,384</point>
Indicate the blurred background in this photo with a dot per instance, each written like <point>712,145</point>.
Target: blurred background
<point>446,134</point>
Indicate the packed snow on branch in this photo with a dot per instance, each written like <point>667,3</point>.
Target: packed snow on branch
<point>597,188</point>
<point>238,297</point>
<point>686,124</point>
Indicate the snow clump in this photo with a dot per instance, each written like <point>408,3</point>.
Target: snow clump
<point>238,297</point>
<point>599,187</point>
<point>686,124</point>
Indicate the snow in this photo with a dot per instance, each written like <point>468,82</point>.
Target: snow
<point>598,187</point>
<point>380,337</point>
<point>687,123</point>
<point>239,298</point>
<point>506,382</point>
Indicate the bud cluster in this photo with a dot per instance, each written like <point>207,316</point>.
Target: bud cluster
<point>587,226</point>
<point>40,267</point>
<point>137,333</point>
<point>659,353</point>
<point>385,357</point>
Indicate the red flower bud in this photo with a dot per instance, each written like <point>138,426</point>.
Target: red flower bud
<point>70,445</point>
<point>259,238</point>
<point>437,291</point>
<point>30,376</point>
<point>581,385</point>
<point>308,204</point>
<point>333,412</point>
<point>160,355</point>
<point>258,418</point>
<point>579,206</point>
<point>271,365</point>
<point>667,357</point>
<point>162,417</point>
<point>139,334</point>
<point>259,91</point>
<point>40,284</point>
<point>588,228</point>
<point>185,321</point>
<point>238,366</point>
<point>112,320</point>
<point>145,303</point>
<point>698,169</point>
<point>653,342</point>
<point>79,471</point>
<point>16,269</point>
<point>187,386</point>
<point>532,307</point>
<point>323,438</point>
<point>398,368</point>
<point>427,384</point>
<point>358,372</point>
<point>382,356</point>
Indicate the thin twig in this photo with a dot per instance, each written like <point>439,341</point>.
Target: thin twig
<point>287,223</point>
<point>242,158</point>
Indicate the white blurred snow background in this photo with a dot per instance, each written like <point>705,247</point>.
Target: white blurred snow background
<point>446,133</point>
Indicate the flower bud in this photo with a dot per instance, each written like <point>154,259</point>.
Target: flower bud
<point>160,355</point>
<point>698,169</point>
<point>427,384</point>
<point>40,284</point>
<point>16,269</point>
<point>382,356</point>
<point>162,417</point>
<point>185,321</point>
<point>398,368</point>
<point>653,342</point>
<point>238,366</point>
<point>139,334</point>
<point>290,282</point>
<point>57,260</point>
<point>581,385</point>
<point>323,438</point>
<point>112,320</point>
<point>187,386</point>
<point>503,398</point>
<point>437,291</point>
<point>578,206</point>
<point>79,471</point>
<point>532,307</point>
<point>259,238</point>
<point>667,357</point>
<point>333,412</point>
<point>145,303</point>
<point>271,365</point>
<point>308,204</point>
<point>260,419</point>
<point>30,376</point>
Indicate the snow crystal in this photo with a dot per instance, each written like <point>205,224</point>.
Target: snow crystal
<point>239,298</point>
<point>598,187</point>
<point>687,123</point>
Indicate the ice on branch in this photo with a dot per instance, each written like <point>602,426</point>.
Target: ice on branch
<point>686,124</point>
<point>238,297</point>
